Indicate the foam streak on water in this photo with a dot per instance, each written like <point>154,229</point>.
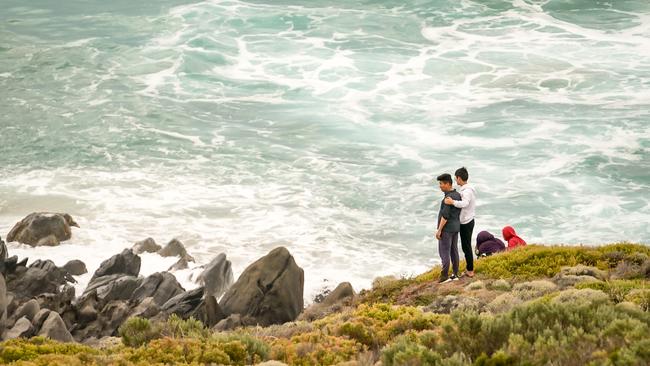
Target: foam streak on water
<point>239,126</point>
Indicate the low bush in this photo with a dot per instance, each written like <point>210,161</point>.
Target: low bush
<point>535,333</point>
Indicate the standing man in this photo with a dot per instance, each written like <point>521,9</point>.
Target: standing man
<point>448,228</point>
<point>468,206</point>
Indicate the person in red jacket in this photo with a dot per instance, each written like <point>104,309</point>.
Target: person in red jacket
<point>512,238</point>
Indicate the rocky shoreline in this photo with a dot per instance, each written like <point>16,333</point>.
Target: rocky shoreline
<point>38,298</point>
<point>536,305</point>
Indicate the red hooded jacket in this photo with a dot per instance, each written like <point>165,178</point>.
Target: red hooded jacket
<point>511,237</point>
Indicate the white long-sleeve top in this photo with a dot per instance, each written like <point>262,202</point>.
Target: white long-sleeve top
<point>468,204</point>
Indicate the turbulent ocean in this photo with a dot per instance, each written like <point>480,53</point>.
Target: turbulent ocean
<point>240,126</point>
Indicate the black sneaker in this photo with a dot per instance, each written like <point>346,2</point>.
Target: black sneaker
<point>454,278</point>
<point>444,280</point>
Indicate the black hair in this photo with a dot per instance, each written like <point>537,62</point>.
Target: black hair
<point>445,178</point>
<point>462,174</point>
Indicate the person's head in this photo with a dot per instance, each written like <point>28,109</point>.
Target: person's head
<point>461,176</point>
<point>508,232</point>
<point>484,236</point>
<point>445,183</point>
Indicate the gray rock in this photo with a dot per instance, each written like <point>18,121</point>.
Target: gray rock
<point>180,264</point>
<point>40,318</point>
<point>184,304</point>
<point>114,314</point>
<point>55,329</point>
<point>110,317</point>
<point>126,263</point>
<point>208,312</point>
<point>147,245</point>
<point>113,287</point>
<point>232,322</point>
<point>334,301</point>
<point>217,276</point>
<point>175,249</point>
<point>42,228</point>
<point>28,310</point>
<point>147,308</point>
<point>4,253</point>
<point>75,267</point>
<point>87,308</point>
<point>162,286</point>
<point>22,329</point>
<point>59,301</point>
<point>39,278</point>
<point>343,291</point>
<point>270,290</point>
<point>4,301</point>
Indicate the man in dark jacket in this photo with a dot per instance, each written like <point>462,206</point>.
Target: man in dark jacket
<point>448,228</point>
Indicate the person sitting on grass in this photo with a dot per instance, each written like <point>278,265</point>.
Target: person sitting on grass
<point>487,244</point>
<point>512,238</point>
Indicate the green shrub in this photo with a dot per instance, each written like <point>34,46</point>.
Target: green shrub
<point>256,349</point>
<point>535,261</point>
<point>616,289</point>
<point>136,332</point>
<point>315,348</point>
<point>26,350</point>
<point>177,327</point>
<point>640,297</point>
<point>406,350</point>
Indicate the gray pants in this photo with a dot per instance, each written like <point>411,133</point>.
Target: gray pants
<point>448,249</point>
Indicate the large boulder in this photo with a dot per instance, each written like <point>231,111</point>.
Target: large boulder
<point>22,329</point>
<point>127,263</point>
<point>42,228</point>
<point>28,310</point>
<point>55,329</point>
<point>270,290</point>
<point>217,276</point>
<point>175,249</point>
<point>75,267</point>
<point>160,286</point>
<point>147,245</point>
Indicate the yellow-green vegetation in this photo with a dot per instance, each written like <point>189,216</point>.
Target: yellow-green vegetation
<point>524,307</point>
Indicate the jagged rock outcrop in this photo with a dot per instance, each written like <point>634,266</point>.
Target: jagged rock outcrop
<point>175,249</point>
<point>217,276</point>
<point>42,228</point>
<point>160,286</point>
<point>147,245</point>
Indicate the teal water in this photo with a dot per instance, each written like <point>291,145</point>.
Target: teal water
<point>239,126</point>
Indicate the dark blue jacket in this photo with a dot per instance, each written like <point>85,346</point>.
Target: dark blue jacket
<point>451,213</point>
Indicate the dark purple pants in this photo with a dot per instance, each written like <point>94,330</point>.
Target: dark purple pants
<point>448,250</point>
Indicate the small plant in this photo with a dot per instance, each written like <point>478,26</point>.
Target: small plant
<point>177,327</point>
<point>136,332</point>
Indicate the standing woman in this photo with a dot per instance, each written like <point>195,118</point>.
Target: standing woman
<point>467,204</point>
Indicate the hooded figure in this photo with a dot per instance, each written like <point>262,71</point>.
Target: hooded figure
<point>487,244</point>
<point>511,237</point>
